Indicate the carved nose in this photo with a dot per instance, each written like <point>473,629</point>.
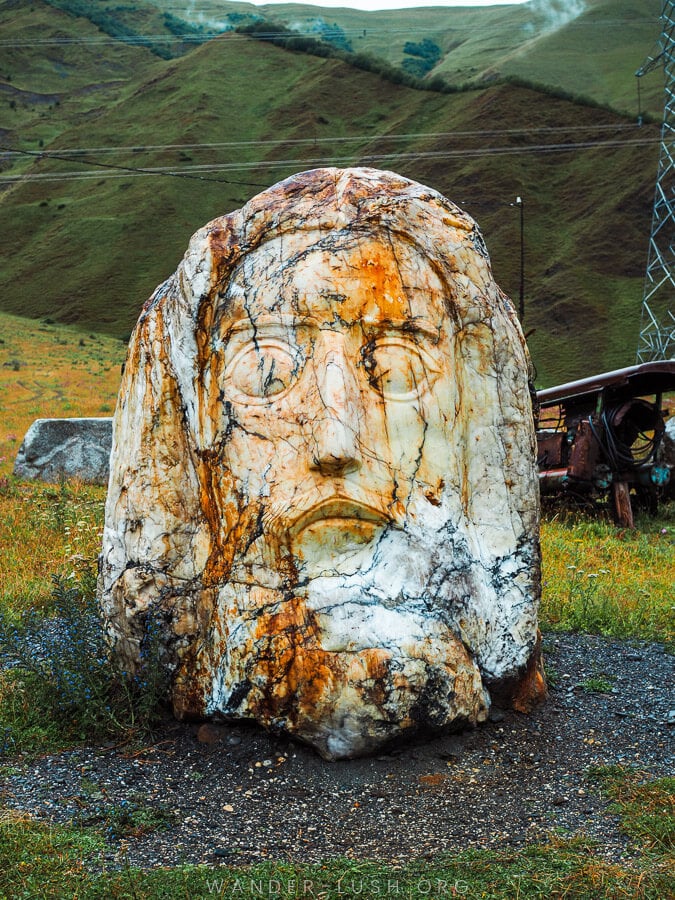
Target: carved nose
<point>336,428</point>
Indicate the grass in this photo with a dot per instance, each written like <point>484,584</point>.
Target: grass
<point>598,684</point>
<point>646,806</point>
<point>605,580</point>
<point>72,690</point>
<point>47,370</point>
<point>37,861</point>
<point>45,530</point>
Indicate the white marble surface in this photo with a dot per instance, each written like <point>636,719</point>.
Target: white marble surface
<point>323,475</point>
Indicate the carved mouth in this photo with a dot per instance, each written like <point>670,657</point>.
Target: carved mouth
<point>339,512</point>
<point>335,536</point>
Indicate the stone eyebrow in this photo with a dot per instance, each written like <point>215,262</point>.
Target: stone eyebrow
<point>255,323</point>
<point>416,327</point>
<point>413,325</point>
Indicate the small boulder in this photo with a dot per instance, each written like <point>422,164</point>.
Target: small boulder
<point>666,453</point>
<point>58,449</point>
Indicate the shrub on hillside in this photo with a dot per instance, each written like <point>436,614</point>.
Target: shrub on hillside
<point>280,36</point>
<point>425,54</point>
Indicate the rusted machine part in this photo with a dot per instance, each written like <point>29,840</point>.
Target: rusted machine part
<point>584,452</point>
<point>550,451</point>
<point>551,480</point>
<point>634,381</point>
<point>623,509</point>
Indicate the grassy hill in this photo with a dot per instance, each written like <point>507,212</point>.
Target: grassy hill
<point>587,47</point>
<point>87,237</point>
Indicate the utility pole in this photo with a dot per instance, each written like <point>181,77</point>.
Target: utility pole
<point>521,292</point>
<point>657,322</point>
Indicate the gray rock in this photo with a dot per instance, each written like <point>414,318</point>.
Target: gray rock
<point>666,452</point>
<point>58,449</point>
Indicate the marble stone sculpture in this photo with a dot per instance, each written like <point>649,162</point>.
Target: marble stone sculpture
<point>323,480</point>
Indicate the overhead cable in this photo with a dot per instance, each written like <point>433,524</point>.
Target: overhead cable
<point>382,136</point>
<point>189,171</point>
<point>231,34</point>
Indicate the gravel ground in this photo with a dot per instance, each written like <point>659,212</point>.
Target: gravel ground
<point>236,795</point>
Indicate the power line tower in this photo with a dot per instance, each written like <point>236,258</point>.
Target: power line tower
<point>657,324</point>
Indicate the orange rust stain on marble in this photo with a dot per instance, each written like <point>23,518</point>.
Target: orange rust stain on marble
<point>300,676</point>
<point>531,689</point>
<point>225,249</point>
<point>297,675</point>
<point>226,522</point>
<point>381,283</point>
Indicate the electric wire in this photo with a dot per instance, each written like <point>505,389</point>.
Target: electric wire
<point>382,136</point>
<point>232,35</point>
<point>190,171</point>
<point>129,171</point>
<point>619,454</point>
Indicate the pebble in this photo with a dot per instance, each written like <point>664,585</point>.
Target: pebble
<point>506,783</point>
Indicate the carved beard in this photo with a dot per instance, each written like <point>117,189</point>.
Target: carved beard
<point>353,659</point>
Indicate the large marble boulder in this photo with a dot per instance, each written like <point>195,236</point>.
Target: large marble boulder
<point>64,449</point>
<point>323,487</point>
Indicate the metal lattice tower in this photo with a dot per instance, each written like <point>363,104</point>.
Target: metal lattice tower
<point>657,324</point>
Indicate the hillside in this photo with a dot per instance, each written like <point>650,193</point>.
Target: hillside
<point>87,238</point>
<point>587,47</point>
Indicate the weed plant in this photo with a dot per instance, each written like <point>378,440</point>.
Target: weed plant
<point>126,819</point>
<point>44,529</point>
<point>60,683</point>
<point>47,529</point>
<point>598,684</point>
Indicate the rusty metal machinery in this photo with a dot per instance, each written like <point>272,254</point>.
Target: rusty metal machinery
<point>599,437</point>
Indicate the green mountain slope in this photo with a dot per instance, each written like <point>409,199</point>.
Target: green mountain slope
<point>586,47</point>
<point>86,239</point>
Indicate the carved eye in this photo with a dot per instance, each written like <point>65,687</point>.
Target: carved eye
<point>264,369</point>
<point>397,368</point>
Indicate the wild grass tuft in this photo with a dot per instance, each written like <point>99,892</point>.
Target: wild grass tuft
<point>598,684</point>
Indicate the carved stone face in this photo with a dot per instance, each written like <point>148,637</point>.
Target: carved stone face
<point>337,374</point>
<point>325,483</point>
